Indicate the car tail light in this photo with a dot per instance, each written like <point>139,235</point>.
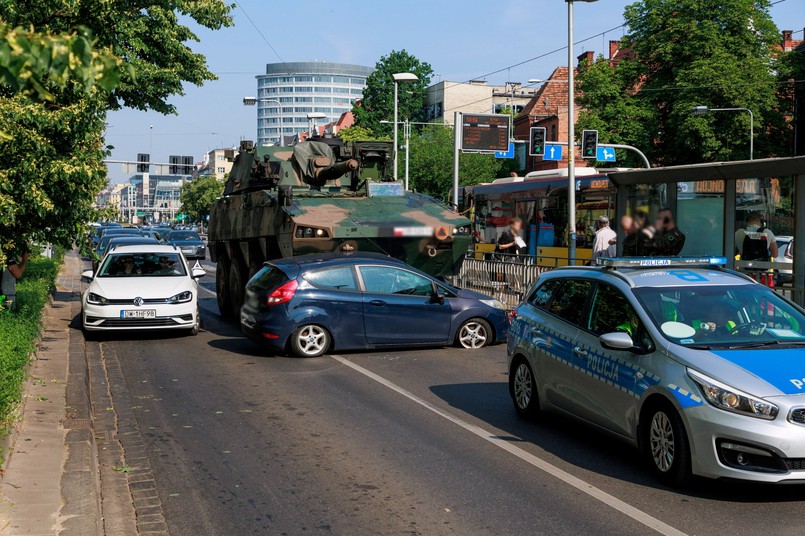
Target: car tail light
<point>282,294</point>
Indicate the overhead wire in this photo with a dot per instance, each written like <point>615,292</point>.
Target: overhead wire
<point>263,36</point>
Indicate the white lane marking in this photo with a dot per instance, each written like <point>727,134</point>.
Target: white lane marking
<point>579,484</point>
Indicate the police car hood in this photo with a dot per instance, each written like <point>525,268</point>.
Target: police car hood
<point>763,372</point>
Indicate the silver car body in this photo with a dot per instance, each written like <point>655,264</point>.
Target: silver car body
<point>575,374</point>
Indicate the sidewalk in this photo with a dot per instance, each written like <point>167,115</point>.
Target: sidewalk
<point>51,483</point>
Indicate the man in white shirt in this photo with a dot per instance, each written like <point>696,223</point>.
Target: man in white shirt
<point>604,244</point>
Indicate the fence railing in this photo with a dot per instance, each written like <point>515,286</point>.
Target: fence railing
<point>505,277</point>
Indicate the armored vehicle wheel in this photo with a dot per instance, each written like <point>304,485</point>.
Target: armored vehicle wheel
<point>222,289</point>
<point>237,288</point>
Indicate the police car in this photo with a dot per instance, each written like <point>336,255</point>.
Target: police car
<point>699,367</point>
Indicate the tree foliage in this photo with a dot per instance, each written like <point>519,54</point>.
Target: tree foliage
<point>687,53</point>
<point>198,196</point>
<point>30,61</point>
<point>431,163</point>
<point>146,35</point>
<point>378,97</point>
<point>63,64</point>
<point>358,133</point>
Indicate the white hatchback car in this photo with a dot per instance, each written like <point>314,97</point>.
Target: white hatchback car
<point>142,287</point>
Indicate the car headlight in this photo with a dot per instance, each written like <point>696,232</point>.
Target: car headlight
<point>732,400</point>
<point>182,297</point>
<point>96,299</point>
<point>493,303</point>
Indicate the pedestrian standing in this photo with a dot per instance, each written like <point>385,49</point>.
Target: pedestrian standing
<point>509,242</point>
<point>755,242</point>
<point>604,244</point>
<point>14,268</point>
<point>668,239</point>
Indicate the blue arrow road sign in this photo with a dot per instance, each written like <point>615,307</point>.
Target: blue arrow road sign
<point>552,152</point>
<point>506,154</point>
<point>605,154</point>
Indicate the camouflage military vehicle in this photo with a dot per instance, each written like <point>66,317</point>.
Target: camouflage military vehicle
<point>324,195</point>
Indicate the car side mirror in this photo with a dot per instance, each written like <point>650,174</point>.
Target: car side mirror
<point>616,341</point>
<point>438,296</point>
<point>87,276</point>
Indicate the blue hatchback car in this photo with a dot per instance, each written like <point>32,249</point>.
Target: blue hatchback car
<point>312,304</point>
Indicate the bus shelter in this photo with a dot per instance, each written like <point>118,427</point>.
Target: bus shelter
<point>712,200</point>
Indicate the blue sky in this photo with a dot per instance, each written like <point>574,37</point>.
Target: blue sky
<point>460,39</point>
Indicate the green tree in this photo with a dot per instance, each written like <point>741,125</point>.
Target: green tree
<point>197,197</point>
<point>75,60</point>
<point>431,163</point>
<point>358,133</point>
<point>378,97</point>
<point>687,53</point>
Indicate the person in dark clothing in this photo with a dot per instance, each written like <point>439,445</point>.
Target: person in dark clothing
<point>668,239</point>
<point>14,268</point>
<point>639,241</point>
<point>507,242</point>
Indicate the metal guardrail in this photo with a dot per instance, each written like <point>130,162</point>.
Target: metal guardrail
<point>504,277</point>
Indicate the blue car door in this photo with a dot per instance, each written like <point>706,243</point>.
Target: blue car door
<point>333,293</point>
<point>399,307</point>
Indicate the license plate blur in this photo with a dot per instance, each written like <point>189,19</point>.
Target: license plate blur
<point>139,313</point>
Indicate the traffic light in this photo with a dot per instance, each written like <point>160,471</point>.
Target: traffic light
<point>589,144</point>
<point>143,159</point>
<point>538,136</point>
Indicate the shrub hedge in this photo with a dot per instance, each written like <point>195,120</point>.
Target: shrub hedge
<point>19,330</point>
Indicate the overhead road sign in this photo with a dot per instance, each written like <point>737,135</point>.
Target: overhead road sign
<point>485,133</point>
<point>552,152</point>
<point>605,154</point>
<point>506,154</point>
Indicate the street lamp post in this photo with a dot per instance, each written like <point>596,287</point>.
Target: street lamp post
<point>251,101</point>
<point>571,136</point>
<point>399,77</point>
<point>704,110</point>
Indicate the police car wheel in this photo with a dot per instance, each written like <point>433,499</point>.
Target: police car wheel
<point>665,445</point>
<point>523,389</point>
<point>473,334</point>
<point>310,341</point>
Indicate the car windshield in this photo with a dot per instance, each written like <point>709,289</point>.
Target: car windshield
<point>143,265</point>
<point>723,316</point>
<point>184,235</point>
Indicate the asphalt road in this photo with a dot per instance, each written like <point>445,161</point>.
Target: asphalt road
<point>394,442</point>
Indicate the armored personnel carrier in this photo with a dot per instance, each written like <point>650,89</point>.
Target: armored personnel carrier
<point>324,195</point>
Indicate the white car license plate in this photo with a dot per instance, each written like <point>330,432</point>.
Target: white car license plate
<point>139,313</point>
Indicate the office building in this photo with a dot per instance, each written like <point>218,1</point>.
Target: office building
<point>288,92</point>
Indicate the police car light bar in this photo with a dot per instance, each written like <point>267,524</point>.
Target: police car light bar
<point>670,262</point>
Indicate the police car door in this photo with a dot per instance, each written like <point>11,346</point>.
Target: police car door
<point>605,381</point>
<point>556,332</point>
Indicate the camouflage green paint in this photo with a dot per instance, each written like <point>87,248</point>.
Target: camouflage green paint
<point>276,205</point>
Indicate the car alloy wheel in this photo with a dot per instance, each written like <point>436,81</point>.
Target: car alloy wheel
<point>310,341</point>
<point>523,386</point>
<point>523,389</point>
<point>661,442</point>
<point>474,334</point>
<point>665,444</point>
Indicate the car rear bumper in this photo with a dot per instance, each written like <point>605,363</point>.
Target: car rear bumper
<point>265,329</point>
<point>774,451</point>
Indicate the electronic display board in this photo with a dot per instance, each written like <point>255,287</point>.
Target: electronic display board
<point>485,133</point>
